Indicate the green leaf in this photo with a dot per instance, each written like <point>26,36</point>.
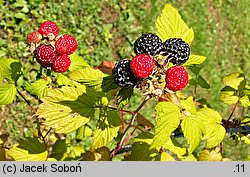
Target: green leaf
<point>64,80</point>
<point>141,148</point>
<point>108,83</point>
<point>38,88</point>
<point>20,15</point>
<point>123,97</point>
<point>170,25</point>
<point>244,101</point>
<point>193,129</point>
<point>107,128</point>
<point>167,120</point>
<point>7,93</point>
<point>10,69</point>
<point>195,69</point>
<point>189,105</point>
<point>235,80</point>
<point>31,149</point>
<point>214,131</point>
<point>77,62</point>
<point>202,82</point>
<point>89,76</point>
<point>60,149</point>
<point>194,60</point>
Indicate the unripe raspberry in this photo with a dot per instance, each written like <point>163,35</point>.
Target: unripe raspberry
<point>176,78</point>
<point>34,37</point>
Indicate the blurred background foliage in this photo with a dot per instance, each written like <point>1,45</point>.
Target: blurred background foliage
<point>107,29</point>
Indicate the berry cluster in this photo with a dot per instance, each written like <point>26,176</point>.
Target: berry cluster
<point>148,68</point>
<point>50,49</point>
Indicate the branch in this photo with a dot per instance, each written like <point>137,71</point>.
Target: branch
<point>121,142</point>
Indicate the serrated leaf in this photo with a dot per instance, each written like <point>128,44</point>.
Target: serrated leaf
<point>164,157</point>
<point>189,158</point>
<point>107,128</point>
<point>31,149</point>
<point>244,101</point>
<point>193,129</point>
<point>60,117</point>
<point>170,25</point>
<point>141,148</point>
<point>7,93</point>
<point>234,80</point>
<point>214,131</point>
<point>88,76</point>
<point>202,82</point>
<point>229,97</point>
<point>38,88</point>
<point>167,120</point>
<point>77,62</point>
<point>76,151</point>
<point>10,69</point>
<point>195,60</point>
<point>189,105</point>
<point>179,151</point>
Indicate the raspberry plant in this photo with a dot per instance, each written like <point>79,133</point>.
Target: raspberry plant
<point>83,115</point>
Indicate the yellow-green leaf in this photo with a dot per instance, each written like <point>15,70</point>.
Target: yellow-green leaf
<point>214,131</point>
<point>244,101</point>
<point>167,120</point>
<point>141,148</point>
<point>229,97</point>
<point>207,155</point>
<point>7,93</point>
<point>31,149</point>
<point>88,75</point>
<point>164,157</point>
<point>189,105</point>
<point>64,94</point>
<point>76,62</point>
<point>179,151</point>
<point>193,129</point>
<point>189,158</point>
<point>170,25</point>
<point>234,80</point>
<point>38,88</point>
<point>194,60</point>
<point>10,69</point>
<point>107,128</point>
<point>60,117</point>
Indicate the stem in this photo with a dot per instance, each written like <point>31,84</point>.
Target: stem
<point>130,125</point>
<point>31,107</point>
<point>122,118</point>
<point>234,108</point>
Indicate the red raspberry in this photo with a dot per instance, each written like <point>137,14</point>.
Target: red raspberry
<point>176,78</point>
<point>66,44</point>
<point>61,63</point>
<point>45,55</point>
<point>47,28</point>
<point>142,65</point>
<point>34,37</point>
